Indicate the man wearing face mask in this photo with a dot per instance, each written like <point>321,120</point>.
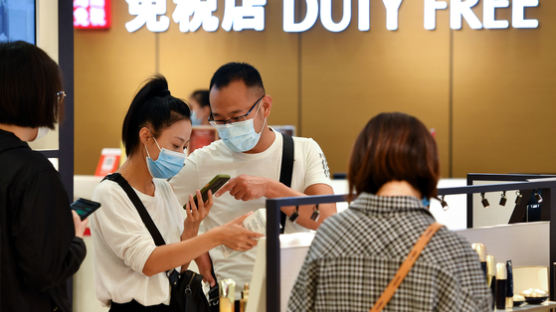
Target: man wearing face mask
<point>251,153</point>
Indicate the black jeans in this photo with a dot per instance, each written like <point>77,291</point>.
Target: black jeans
<point>135,306</point>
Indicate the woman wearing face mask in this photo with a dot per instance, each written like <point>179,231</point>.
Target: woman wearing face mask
<point>200,107</point>
<point>130,268</point>
<point>40,237</point>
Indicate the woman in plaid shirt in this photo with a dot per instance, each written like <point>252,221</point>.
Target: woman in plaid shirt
<point>393,172</point>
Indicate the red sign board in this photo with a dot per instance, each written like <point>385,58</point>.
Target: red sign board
<point>91,14</point>
<point>109,161</point>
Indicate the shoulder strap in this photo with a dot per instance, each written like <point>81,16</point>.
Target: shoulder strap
<point>405,267</point>
<point>286,170</point>
<point>145,217</point>
<point>172,274</point>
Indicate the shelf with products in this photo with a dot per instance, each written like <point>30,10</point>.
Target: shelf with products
<point>274,300</point>
<point>549,306</point>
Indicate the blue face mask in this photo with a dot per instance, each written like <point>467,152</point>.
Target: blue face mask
<point>167,165</point>
<point>195,121</point>
<point>239,136</point>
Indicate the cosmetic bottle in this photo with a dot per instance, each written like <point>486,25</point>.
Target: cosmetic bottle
<point>510,285</point>
<point>244,298</point>
<point>227,295</point>
<point>480,249</point>
<point>491,276</point>
<point>501,283</point>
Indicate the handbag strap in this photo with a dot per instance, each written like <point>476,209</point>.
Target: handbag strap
<point>172,274</point>
<point>286,170</point>
<point>406,266</point>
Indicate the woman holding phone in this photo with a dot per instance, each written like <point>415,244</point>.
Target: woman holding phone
<point>130,268</point>
<point>40,239</point>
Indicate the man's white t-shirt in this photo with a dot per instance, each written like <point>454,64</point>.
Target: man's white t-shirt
<point>123,244</point>
<point>310,168</point>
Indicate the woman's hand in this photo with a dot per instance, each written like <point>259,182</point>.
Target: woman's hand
<point>205,268</point>
<point>196,214</point>
<point>235,236</point>
<point>80,226</point>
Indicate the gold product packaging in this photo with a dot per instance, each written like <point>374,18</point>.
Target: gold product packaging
<point>491,276</point>
<point>509,302</point>
<point>480,249</point>
<point>244,298</point>
<point>227,295</point>
<point>491,273</point>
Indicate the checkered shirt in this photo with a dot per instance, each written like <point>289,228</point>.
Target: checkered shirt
<point>356,253</point>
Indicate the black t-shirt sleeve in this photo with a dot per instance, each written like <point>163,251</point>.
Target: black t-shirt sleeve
<point>43,233</point>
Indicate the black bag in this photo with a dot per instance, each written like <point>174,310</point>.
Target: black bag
<point>187,292</point>
<point>186,288</point>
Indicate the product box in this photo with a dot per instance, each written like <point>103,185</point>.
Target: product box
<point>109,161</point>
<point>201,136</point>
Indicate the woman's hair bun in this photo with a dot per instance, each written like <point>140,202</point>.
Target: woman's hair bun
<point>153,105</point>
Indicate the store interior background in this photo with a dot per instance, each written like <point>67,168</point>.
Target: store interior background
<point>489,94</point>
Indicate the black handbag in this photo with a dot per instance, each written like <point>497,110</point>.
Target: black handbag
<point>186,293</point>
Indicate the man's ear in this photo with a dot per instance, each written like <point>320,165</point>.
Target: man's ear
<point>267,105</point>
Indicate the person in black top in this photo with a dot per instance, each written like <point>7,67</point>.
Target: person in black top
<point>40,244</point>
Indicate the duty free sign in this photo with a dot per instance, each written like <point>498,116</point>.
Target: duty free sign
<point>192,15</point>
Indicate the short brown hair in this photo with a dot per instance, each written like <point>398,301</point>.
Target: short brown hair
<point>29,82</point>
<point>394,147</point>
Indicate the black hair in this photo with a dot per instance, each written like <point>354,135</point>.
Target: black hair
<point>29,83</point>
<point>201,97</point>
<point>231,72</point>
<point>155,106</point>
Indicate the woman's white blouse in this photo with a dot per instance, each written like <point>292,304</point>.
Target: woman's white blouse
<point>122,243</point>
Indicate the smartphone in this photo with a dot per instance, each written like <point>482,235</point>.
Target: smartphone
<point>214,185</point>
<point>84,207</point>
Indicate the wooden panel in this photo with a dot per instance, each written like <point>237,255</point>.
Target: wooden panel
<point>349,77</point>
<point>503,81</point>
<point>109,68</point>
<point>111,65</point>
<point>190,59</point>
<point>504,97</point>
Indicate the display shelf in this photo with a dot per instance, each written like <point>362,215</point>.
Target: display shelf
<point>273,267</point>
<point>545,306</point>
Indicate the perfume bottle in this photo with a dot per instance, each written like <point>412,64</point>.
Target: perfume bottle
<point>501,284</point>
<point>244,298</point>
<point>491,276</point>
<point>480,249</point>
<point>227,295</point>
<point>510,285</point>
